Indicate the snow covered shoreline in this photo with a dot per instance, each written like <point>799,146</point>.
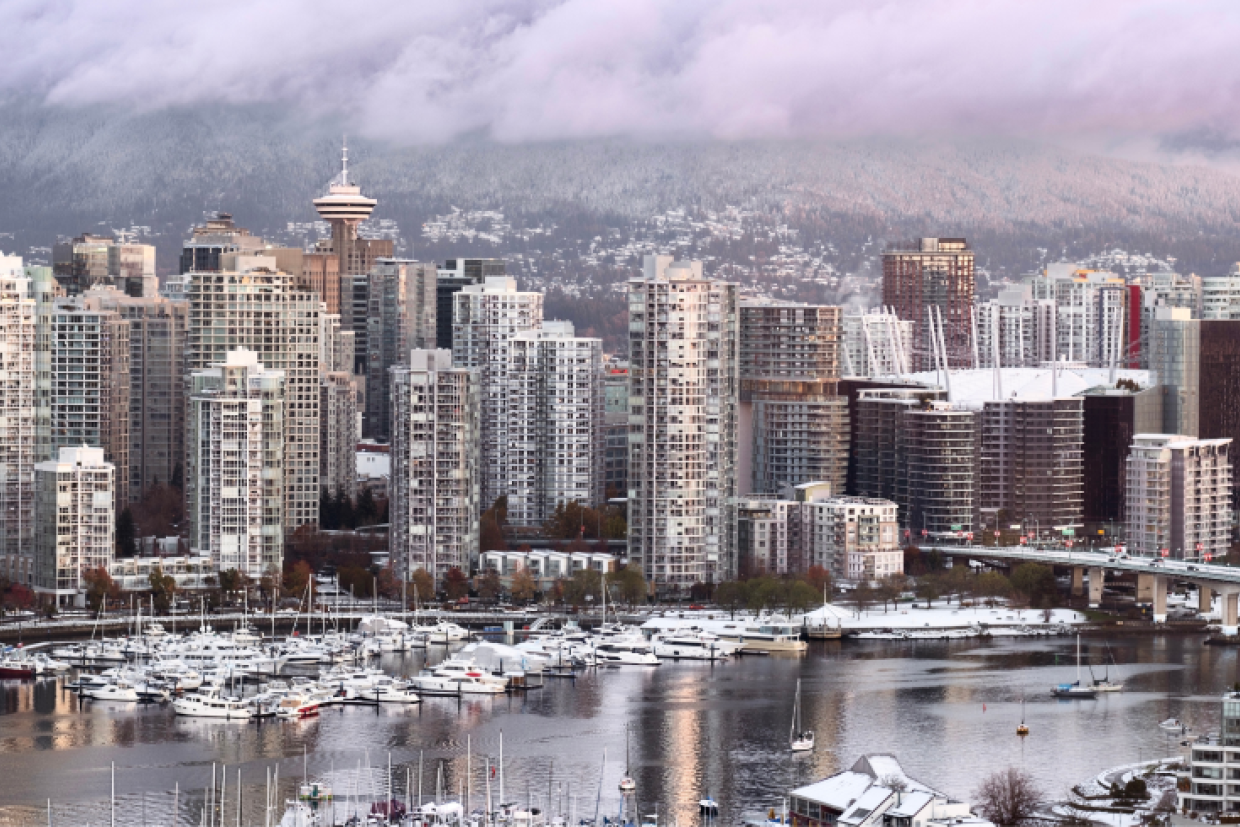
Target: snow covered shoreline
<point>903,621</point>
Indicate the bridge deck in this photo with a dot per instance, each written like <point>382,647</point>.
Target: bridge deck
<point>1180,569</point>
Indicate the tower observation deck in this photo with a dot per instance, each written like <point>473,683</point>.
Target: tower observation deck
<point>344,207</point>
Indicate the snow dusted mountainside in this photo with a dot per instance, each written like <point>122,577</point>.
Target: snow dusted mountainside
<point>63,171</point>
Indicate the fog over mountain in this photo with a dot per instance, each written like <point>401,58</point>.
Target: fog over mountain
<point>68,169</point>
<point>849,124</point>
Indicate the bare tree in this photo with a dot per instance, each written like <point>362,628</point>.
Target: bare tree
<point>1009,797</point>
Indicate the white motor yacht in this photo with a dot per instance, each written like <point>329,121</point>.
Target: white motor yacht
<point>625,652</point>
<point>454,684</point>
<point>212,706</point>
<point>691,645</point>
<point>389,691</point>
<point>429,683</point>
<point>444,632</point>
<point>118,691</point>
<point>46,665</point>
<point>455,668</point>
<point>152,691</point>
<point>772,636</point>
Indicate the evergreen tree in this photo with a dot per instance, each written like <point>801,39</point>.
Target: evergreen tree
<point>346,515</point>
<point>126,535</point>
<point>327,511</point>
<point>366,511</point>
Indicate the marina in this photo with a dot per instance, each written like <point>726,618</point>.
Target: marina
<point>697,730</point>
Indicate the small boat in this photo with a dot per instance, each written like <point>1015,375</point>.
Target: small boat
<point>212,706</point>
<point>152,692</point>
<point>14,668</point>
<point>296,705</point>
<point>1173,725</point>
<point>802,740</point>
<point>770,636</point>
<point>627,784</point>
<point>1074,691</point>
<point>389,691</point>
<point>625,653</point>
<point>691,645</point>
<point>1022,729</point>
<point>1105,685</point>
<point>119,691</point>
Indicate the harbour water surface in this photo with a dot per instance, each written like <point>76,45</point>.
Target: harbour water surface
<point>948,710</point>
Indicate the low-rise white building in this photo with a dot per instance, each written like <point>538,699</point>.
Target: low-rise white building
<point>545,566</point>
<point>374,467</point>
<point>876,792</point>
<point>75,521</point>
<point>191,572</point>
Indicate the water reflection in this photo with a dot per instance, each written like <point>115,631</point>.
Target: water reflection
<point>947,709</point>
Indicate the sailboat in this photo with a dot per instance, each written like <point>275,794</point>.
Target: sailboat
<point>627,784</point>
<point>1075,690</point>
<point>1105,684</point>
<point>1022,729</point>
<point>802,740</point>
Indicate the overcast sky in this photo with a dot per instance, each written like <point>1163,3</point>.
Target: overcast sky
<point>516,70</point>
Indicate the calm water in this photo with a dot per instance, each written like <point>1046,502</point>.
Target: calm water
<point>948,710</point>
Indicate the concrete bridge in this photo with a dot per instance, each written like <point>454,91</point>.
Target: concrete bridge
<point>1152,574</point>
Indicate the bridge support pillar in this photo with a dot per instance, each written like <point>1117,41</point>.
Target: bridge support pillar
<point>1160,599</point>
<point>1205,599</point>
<point>1097,576</point>
<point>1145,588</point>
<point>1229,611</point>
<point>1078,581</point>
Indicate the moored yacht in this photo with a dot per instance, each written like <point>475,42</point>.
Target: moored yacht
<point>772,636</point>
<point>625,652</point>
<point>691,645</point>
<point>212,706</point>
<point>297,705</point>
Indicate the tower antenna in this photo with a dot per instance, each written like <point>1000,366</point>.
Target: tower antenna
<point>344,162</point>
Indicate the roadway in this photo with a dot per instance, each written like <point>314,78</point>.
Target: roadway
<point>1153,573</point>
<point>1184,569</point>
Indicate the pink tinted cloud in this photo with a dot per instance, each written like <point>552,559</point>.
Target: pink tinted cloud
<point>547,69</point>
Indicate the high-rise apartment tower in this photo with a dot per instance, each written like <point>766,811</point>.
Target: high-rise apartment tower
<point>435,475</point>
<point>17,421</point>
<point>486,317</point>
<point>262,309</point>
<point>935,276</point>
<point>236,464</point>
<point>683,400</point>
